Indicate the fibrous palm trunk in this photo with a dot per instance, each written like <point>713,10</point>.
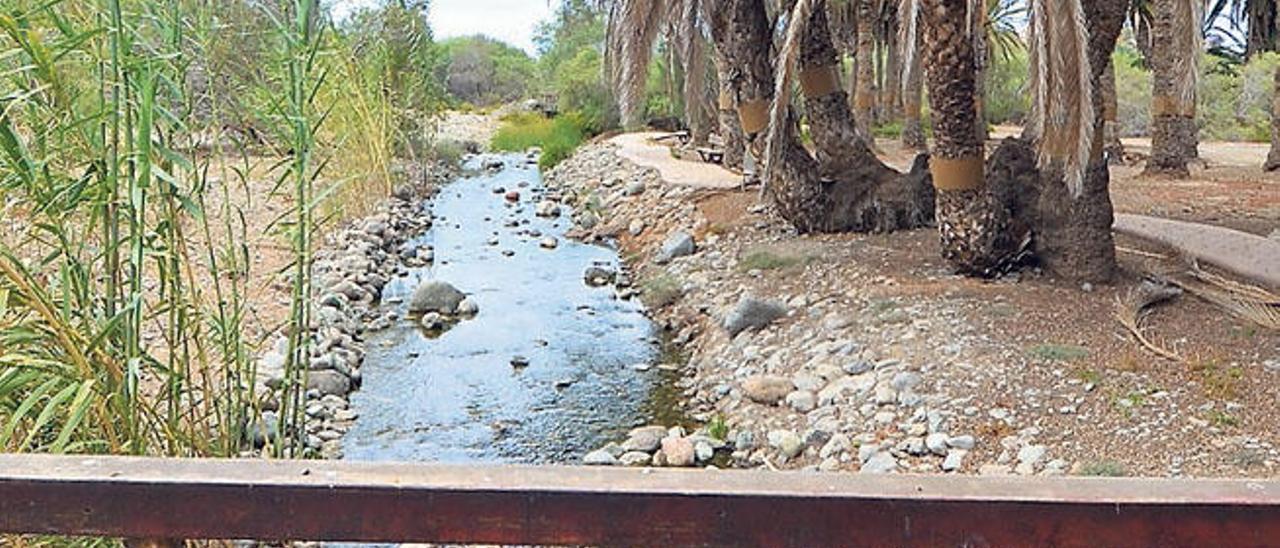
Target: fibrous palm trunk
<point>842,186</point>
<point>978,10</point>
<point>1273,158</point>
<point>911,41</point>
<point>864,96</point>
<point>891,105</point>
<point>727,114</point>
<point>1172,111</point>
<point>1110,116</point>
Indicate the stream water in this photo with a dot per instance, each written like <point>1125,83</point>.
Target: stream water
<point>456,397</point>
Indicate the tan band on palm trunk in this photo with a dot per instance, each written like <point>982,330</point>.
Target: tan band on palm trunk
<point>754,115</point>
<point>1168,105</point>
<point>863,100</point>
<point>1109,113</point>
<point>726,100</point>
<point>818,82</point>
<point>957,173</point>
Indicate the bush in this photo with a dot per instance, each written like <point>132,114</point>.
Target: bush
<point>558,137</point>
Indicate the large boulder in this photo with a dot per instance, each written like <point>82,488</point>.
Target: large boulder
<point>678,244</point>
<point>329,382</point>
<point>752,313</point>
<point>435,296</point>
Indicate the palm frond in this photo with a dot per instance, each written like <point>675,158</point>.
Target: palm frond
<point>1062,87</point>
<point>787,61</point>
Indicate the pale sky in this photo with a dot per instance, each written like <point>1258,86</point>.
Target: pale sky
<point>511,21</point>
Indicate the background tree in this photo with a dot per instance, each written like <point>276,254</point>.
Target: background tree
<point>483,71</point>
<point>1175,65</point>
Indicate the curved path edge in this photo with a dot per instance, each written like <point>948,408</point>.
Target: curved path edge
<point>1248,255</point>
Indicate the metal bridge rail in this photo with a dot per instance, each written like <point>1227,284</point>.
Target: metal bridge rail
<point>346,501</point>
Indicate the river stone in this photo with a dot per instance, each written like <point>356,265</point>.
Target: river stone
<point>839,443</point>
<point>802,400</point>
<point>547,208</point>
<point>880,463</point>
<point>766,389</point>
<point>937,443</point>
<point>599,457</point>
<point>678,244</point>
<point>646,439</point>
<point>588,220</point>
<point>961,442</point>
<point>636,188</point>
<point>703,451</point>
<point>432,321</point>
<point>679,451</point>
<point>329,382</point>
<point>752,313</point>
<point>954,460</point>
<point>786,442</point>
<point>435,296</point>
<point>635,458</point>
<point>596,276</point>
<point>468,307</point>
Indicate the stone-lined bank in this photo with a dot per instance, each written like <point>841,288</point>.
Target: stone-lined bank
<point>349,271</point>
<point>779,379</point>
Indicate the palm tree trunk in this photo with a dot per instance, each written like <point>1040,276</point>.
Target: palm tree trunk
<point>980,56</point>
<point>864,96</point>
<point>1273,158</point>
<point>913,97</point>
<point>1171,116</point>
<point>727,113</point>
<point>892,104</point>
<point>1110,116</point>
<point>972,224</point>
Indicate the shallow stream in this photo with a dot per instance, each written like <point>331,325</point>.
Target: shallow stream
<point>455,396</point>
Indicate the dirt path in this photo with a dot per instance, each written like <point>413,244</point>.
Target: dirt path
<point>639,149</point>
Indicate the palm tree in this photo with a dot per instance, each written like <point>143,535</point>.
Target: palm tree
<point>864,96</point>
<point>1273,157</point>
<point>913,75</point>
<point>1049,201</point>
<point>1175,73</point>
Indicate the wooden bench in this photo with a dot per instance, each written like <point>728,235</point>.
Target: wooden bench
<point>711,155</point>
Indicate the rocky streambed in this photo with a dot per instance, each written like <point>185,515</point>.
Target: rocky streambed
<point>505,341</point>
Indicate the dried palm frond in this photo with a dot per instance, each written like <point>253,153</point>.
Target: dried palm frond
<point>1189,17</point>
<point>787,60</point>
<point>1247,302</point>
<point>1136,305</point>
<point>633,26</point>
<point>1062,116</point>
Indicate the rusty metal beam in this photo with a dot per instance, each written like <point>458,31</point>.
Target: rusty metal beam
<point>275,500</point>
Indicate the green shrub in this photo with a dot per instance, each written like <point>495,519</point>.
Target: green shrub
<point>767,260</point>
<point>557,137</point>
<point>1059,352</point>
<point>891,130</point>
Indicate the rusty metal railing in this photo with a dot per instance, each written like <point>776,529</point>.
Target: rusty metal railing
<point>343,501</point>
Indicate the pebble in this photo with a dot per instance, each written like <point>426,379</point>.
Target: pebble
<point>786,442</point>
<point>766,389</point>
<point>954,460</point>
